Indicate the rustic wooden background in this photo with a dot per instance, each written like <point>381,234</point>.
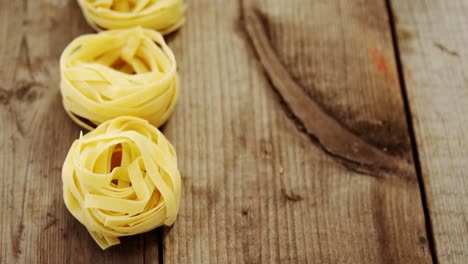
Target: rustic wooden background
<point>324,131</point>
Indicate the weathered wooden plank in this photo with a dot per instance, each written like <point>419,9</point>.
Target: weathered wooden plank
<point>432,37</point>
<point>35,137</point>
<point>276,97</point>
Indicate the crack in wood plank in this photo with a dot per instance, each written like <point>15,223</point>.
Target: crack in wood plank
<point>446,50</point>
<point>335,139</point>
<point>5,96</point>
<point>25,57</point>
<point>52,221</point>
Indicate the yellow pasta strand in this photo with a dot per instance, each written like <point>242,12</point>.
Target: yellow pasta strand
<point>122,179</point>
<point>164,16</point>
<point>119,72</point>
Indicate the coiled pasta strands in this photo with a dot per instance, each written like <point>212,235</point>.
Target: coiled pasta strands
<point>122,179</point>
<point>119,72</point>
<point>164,16</point>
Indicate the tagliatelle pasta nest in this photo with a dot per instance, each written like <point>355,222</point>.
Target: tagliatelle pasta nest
<point>122,179</point>
<point>164,16</point>
<point>116,73</point>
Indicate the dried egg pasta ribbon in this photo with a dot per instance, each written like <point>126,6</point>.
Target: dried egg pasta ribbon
<point>164,16</point>
<point>122,179</point>
<point>119,72</point>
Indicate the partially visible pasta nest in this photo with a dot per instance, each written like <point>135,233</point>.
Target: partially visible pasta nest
<point>116,73</point>
<point>122,179</point>
<point>164,16</point>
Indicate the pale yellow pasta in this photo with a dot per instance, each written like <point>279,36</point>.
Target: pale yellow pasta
<point>164,16</point>
<point>119,72</point>
<point>122,179</point>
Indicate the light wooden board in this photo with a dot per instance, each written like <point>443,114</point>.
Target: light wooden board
<point>258,188</point>
<point>433,37</point>
<point>35,137</point>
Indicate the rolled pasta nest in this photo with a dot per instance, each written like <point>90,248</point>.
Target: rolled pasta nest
<point>122,179</point>
<point>129,72</point>
<point>164,16</point>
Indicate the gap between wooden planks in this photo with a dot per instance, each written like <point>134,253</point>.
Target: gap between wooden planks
<point>432,38</point>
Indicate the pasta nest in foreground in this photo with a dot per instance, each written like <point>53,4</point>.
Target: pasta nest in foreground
<point>122,179</point>
<point>164,16</point>
<point>116,73</point>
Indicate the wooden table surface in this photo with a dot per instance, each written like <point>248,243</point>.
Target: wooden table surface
<point>325,131</point>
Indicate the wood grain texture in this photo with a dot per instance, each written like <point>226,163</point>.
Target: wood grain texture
<point>262,182</point>
<point>35,137</point>
<point>432,37</point>
<point>290,131</point>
